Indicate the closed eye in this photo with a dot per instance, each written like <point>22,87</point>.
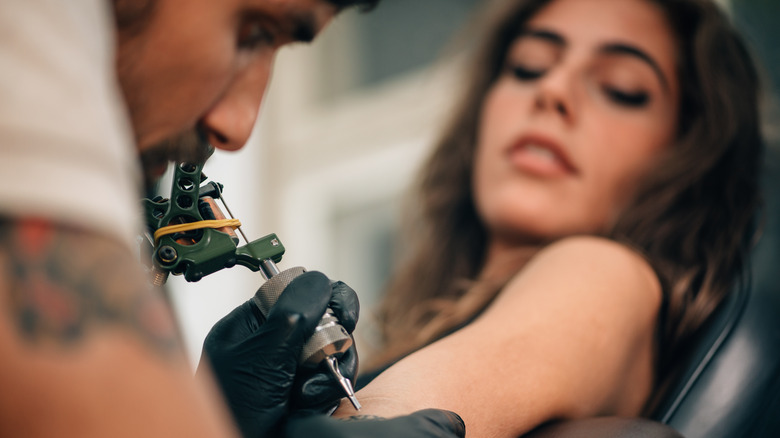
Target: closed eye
<point>526,74</point>
<point>630,99</point>
<point>254,34</point>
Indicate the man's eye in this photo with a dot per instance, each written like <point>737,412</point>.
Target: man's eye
<point>253,34</point>
<point>526,74</point>
<point>630,99</point>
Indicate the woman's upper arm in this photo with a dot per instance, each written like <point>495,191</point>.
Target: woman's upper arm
<point>571,335</point>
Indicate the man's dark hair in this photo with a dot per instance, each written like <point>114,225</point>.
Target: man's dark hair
<point>131,16</point>
<point>365,5</point>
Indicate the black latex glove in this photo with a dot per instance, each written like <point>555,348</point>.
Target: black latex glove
<point>316,390</point>
<point>255,360</point>
<point>428,423</point>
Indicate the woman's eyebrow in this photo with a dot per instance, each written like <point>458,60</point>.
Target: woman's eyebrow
<point>543,34</point>
<point>609,49</point>
<point>629,50</point>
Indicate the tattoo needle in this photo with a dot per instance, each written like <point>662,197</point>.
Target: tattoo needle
<point>269,270</point>
<point>343,381</point>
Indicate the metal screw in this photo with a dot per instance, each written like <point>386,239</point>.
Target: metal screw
<point>159,277</point>
<point>167,254</point>
<point>274,242</point>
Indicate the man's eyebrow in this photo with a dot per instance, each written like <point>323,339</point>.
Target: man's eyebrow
<point>299,26</point>
<point>629,50</point>
<point>303,26</point>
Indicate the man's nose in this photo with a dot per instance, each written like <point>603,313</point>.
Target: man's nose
<point>230,121</point>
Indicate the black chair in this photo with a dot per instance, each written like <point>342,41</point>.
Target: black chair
<point>731,384</point>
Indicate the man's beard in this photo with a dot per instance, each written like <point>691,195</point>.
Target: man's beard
<point>188,147</point>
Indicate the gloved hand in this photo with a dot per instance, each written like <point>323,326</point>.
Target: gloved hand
<point>316,390</point>
<point>255,361</point>
<point>428,423</point>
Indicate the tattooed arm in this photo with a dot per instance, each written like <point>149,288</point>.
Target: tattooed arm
<point>87,348</point>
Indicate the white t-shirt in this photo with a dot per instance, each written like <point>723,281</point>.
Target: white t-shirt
<point>65,145</point>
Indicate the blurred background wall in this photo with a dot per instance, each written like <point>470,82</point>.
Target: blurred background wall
<point>345,125</point>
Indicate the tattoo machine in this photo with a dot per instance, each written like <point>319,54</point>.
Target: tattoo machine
<point>192,237</point>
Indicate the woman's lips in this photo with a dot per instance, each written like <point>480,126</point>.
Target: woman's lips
<point>540,156</point>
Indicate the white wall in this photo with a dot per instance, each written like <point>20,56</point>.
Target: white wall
<point>326,177</point>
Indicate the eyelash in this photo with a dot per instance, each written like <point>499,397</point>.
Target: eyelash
<point>628,99</point>
<point>525,74</point>
<point>638,99</point>
<point>253,35</point>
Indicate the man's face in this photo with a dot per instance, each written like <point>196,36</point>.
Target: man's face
<point>199,68</point>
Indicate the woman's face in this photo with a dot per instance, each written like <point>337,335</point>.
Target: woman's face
<point>588,99</point>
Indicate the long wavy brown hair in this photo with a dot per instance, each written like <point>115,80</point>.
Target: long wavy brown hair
<point>692,217</point>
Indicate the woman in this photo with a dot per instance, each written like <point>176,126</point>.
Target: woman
<point>584,215</point>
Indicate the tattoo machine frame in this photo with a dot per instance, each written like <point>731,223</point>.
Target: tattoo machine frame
<point>193,238</point>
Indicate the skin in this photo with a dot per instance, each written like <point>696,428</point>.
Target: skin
<point>594,302</point>
<point>210,74</point>
<point>81,331</point>
<point>582,95</point>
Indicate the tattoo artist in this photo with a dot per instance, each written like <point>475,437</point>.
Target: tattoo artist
<point>93,95</point>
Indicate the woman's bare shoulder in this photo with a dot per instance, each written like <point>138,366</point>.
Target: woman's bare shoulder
<point>589,247</point>
<point>595,264</point>
<point>597,303</point>
<point>588,277</point>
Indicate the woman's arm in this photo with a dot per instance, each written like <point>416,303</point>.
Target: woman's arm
<point>572,335</point>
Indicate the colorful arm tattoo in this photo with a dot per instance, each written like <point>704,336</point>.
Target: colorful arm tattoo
<point>63,283</point>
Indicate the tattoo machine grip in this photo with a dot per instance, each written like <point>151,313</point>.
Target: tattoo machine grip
<point>329,338</point>
<point>329,341</point>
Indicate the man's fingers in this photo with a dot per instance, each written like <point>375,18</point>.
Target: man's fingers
<point>235,326</point>
<point>317,390</point>
<point>428,423</point>
<point>301,304</point>
<point>448,422</point>
<point>345,305</point>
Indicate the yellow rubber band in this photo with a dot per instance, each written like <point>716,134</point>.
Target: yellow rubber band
<point>180,228</point>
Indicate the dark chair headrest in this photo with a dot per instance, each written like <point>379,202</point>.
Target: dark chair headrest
<point>731,382</point>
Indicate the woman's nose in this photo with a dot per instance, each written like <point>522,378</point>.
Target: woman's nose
<point>228,124</point>
<point>555,92</point>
